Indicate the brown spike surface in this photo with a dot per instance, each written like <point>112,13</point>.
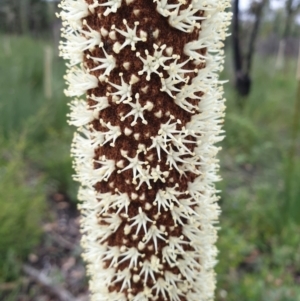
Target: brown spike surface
<point>149,21</point>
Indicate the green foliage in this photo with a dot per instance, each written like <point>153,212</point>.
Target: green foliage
<point>53,158</point>
<point>259,238</point>
<point>27,109</point>
<point>35,143</point>
<point>22,202</point>
<point>24,103</point>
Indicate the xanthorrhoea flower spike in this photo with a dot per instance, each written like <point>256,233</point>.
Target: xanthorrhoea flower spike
<point>145,151</point>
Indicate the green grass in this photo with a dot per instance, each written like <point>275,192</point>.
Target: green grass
<point>22,202</point>
<point>24,108</point>
<point>259,241</point>
<point>34,148</point>
<point>23,103</point>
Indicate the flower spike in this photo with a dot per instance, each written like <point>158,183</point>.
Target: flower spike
<point>144,151</point>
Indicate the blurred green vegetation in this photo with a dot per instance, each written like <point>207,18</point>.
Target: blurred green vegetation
<point>259,238</point>
<point>27,110</point>
<point>34,148</point>
<point>22,202</point>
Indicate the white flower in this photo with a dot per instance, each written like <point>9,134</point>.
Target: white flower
<point>108,201</point>
<point>192,49</point>
<point>174,293</point>
<point>123,91</point>
<point>160,144</point>
<point>80,113</point>
<point>169,256</point>
<point>148,269</point>
<point>123,276</point>
<point>112,222</point>
<point>164,8</point>
<point>166,198</point>
<point>89,176</point>
<point>185,20</point>
<point>140,297</point>
<point>74,10</point>
<point>158,55</point>
<point>113,6</point>
<point>132,255</point>
<point>154,234</point>
<point>79,82</point>
<point>112,134</point>
<point>157,174</point>
<point>130,35</point>
<point>72,48</point>
<point>93,36</point>
<point>144,177</point>
<point>108,63</point>
<point>77,41</point>
<point>105,170</point>
<point>187,91</point>
<point>178,214</point>
<point>169,85</point>
<point>161,201</point>
<point>121,201</point>
<point>112,254</point>
<point>161,287</point>
<point>140,221</point>
<point>102,102</point>
<point>96,137</point>
<point>175,70</point>
<point>151,64</point>
<point>135,164</point>
<point>169,129</point>
<point>82,149</point>
<point>176,244</point>
<point>136,112</point>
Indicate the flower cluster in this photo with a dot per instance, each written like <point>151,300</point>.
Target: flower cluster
<point>144,151</point>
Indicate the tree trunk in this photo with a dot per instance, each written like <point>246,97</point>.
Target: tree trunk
<point>289,12</point>
<point>242,66</point>
<point>242,79</point>
<point>253,37</point>
<point>23,13</point>
<point>280,63</point>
